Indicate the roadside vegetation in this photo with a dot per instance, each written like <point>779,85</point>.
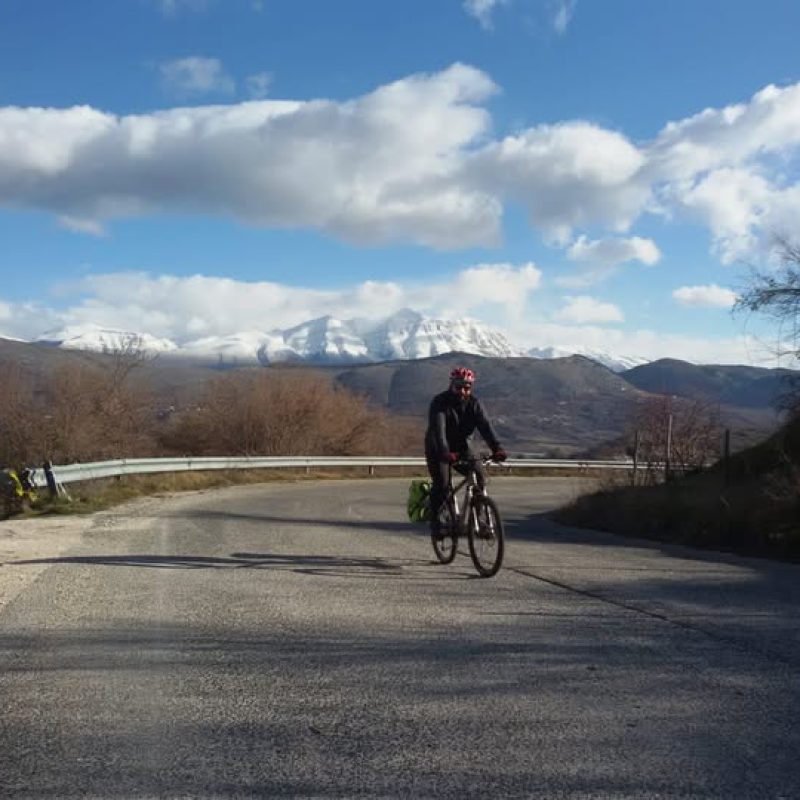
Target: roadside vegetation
<point>103,411</point>
<point>748,503</point>
<point>88,497</point>
<point>752,506</point>
<point>100,411</point>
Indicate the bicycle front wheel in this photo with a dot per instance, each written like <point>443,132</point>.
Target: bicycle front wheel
<point>446,545</point>
<point>486,537</point>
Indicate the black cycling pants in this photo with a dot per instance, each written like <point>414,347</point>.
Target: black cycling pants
<point>440,477</point>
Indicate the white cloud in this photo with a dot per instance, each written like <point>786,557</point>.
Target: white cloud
<point>614,251</point>
<point>603,257</point>
<point>505,285</point>
<point>172,7</point>
<point>648,344</point>
<point>185,308</point>
<point>562,15</point>
<point>582,309</point>
<point>733,169</point>
<point>356,169</point>
<point>79,225</point>
<point>567,176</point>
<point>482,10</point>
<point>711,296</point>
<point>740,205</point>
<point>196,75</point>
<point>718,137</point>
<point>25,320</point>
<point>258,84</point>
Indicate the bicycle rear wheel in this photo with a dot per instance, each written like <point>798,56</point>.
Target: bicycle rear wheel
<point>446,545</point>
<point>486,537</point>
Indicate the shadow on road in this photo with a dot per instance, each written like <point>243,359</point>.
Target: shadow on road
<point>541,528</point>
<point>351,523</point>
<point>312,564</point>
<point>370,713</point>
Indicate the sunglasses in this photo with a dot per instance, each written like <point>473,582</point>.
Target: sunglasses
<point>463,385</point>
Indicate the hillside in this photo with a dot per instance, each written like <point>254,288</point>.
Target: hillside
<point>172,380</point>
<point>740,386</point>
<point>563,405</point>
<point>566,404</point>
<point>751,505</point>
<point>572,405</point>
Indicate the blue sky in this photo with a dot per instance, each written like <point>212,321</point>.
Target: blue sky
<point>572,172</point>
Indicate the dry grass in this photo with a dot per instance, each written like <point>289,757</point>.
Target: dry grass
<point>86,497</point>
<point>90,496</point>
<point>754,509</point>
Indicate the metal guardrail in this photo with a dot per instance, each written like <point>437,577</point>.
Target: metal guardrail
<point>70,473</point>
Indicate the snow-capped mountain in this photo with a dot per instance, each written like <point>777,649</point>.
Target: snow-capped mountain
<point>323,339</point>
<point>614,363</point>
<point>408,335</point>
<point>238,348</point>
<point>403,336</point>
<point>105,340</point>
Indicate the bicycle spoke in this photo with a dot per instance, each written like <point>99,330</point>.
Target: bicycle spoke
<point>446,545</point>
<point>486,539</point>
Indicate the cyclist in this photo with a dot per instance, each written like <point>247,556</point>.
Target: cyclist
<point>453,417</point>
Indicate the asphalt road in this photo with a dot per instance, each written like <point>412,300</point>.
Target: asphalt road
<point>297,640</point>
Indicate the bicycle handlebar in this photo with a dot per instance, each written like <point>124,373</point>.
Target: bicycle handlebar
<point>485,460</point>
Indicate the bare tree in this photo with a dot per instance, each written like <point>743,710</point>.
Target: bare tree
<point>97,410</point>
<point>777,296</point>
<point>265,412</point>
<point>18,426</point>
<point>128,355</point>
<point>676,433</point>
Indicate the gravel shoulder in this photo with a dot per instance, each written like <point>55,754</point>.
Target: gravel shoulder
<point>27,540</point>
<point>31,539</point>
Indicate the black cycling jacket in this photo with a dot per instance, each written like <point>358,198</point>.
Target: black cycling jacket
<point>451,422</point>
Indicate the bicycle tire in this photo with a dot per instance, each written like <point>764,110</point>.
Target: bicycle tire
<point>486,537</point>
<point>446,546</point>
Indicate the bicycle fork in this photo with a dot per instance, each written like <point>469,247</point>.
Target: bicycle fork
<point>462,513</point>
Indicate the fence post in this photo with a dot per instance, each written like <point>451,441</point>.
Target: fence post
<point>668,454</point>
<point>635,457</point>
<point>726,457</point>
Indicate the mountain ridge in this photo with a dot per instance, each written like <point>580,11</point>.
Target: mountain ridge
<point>565,406</point>
<point>404,335</point>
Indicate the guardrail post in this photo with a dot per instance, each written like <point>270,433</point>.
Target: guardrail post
<point>635,458</point>
<point>52,486</point>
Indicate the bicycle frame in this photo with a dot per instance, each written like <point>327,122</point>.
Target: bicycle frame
<point>467,487</point>
<point>473,515</point>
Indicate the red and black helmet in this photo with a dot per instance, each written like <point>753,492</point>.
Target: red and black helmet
<point>462,375</point>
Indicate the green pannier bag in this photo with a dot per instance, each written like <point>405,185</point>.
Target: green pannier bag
<point>419,501</point>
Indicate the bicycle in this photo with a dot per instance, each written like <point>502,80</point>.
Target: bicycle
<point>469,511</point>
